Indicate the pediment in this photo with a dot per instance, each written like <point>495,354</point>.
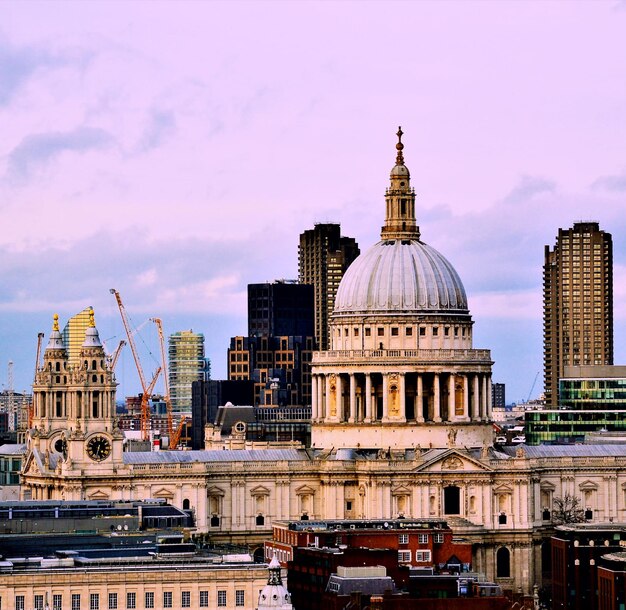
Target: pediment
<point>452,460</point>
<point>259,490</point>
<point>502,489</point>
<point>401,490</point>
<point>547,486</point>
<point>305,490</point>
<point>215,491</point>
<point>588,486</point>
<point>163,492</point>
<point>98,495</point>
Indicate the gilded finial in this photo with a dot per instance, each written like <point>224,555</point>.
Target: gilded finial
<point>55,323</point>
<point>399,147</point>
<point>92,318</point>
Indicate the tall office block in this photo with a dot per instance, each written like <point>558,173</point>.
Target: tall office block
<point>577,303</point>
<point>74,334</point>
<point>323,257</point>
<point>187,364</point>
<point>280,308</point>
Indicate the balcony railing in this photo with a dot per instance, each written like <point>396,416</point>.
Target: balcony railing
<point>402,355</point>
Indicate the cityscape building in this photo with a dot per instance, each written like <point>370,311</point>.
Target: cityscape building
<point>323,257</point>
<point>591,399</point>
<point>577,303</point>
<point>498,400</point>
<point>186,365</point>
<point>401,426</point>
<point>279,366</point>
<point>74,334</point>
<point>281,308</point>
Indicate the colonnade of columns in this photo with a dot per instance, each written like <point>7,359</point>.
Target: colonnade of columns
<point>389,396</point>
<point>74,405</point>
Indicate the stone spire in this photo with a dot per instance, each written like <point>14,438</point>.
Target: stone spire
<point>400,201</point>
<point>274,595</point>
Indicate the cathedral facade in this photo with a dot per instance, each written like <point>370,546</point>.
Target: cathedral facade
<point>401,410</point>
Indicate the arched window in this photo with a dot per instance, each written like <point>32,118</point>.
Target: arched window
<point>94,366</point>
<point>260,520</point>
<point>451,500</point>
<point>58,366</point>
<point>186,504</point>
<point>503,563</point>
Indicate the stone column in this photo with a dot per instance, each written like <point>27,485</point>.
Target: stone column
<point>451,399</point>
<point>436,399</point>
<point>483,397</point>
<point>466,388</point>
<point>339,398</point>
<point>385,397</point>
<point>352,416</point>
<point>327,399</point>
<point>489,399</point>
<point>419,399</point>
<point>402,390</point>
<point>314,414</point>
<point>476,401</point>
<point>368,397</point>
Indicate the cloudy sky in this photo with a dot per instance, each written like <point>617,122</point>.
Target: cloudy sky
<point>175,151</point>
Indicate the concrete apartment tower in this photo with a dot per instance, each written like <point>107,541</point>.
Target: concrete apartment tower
<point>186,365</point>
<point>323,257</point>
<point>577,303</point>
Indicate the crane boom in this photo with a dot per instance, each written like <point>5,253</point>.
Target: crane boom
<point>174,435</point>
<point>31,408</point>
<point>147,388</point>
<point>116,354</point>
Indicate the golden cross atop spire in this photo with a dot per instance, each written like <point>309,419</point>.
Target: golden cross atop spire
<point>55,322</point>
<point>399,147</point>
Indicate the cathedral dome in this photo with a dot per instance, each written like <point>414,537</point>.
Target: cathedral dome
<point>400,276</point>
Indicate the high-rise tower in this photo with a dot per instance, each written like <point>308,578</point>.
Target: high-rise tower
<point>186,365</point>
<point>74,334</point>
<point>323,257</point>
<point>577,303</point>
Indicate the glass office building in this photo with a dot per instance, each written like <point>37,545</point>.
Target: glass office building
<point>591,399</point>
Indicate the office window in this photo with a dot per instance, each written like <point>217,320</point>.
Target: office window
<point>167,599</point>
<point>38,602</point>
<point>403,539</point>
<point>438,538</point>
<point>185,599</point>
<point>19,602</point>
<point>75,601</point>
<point>404,556</point>
<point>131,601</point>
<point>240,597</point>
<point>422,556</point>
<point>221,598</point>
<point>112,601</point>
<point>149,599</point>
<point>422,538</point>
<point>57,602</point>
<point>94,601</point>
<point>204,599</point>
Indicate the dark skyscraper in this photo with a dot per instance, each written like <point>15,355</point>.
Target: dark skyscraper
<point>577,303</point>
<point>323,257</point>
<point>282,308</point>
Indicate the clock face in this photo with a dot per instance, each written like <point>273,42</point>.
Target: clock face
<point>60,445</point>
<point>98,448</point>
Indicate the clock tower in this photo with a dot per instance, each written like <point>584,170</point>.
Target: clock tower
<point>73,429</point>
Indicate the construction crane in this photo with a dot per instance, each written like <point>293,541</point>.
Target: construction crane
<point>31,408</point>
<point>174,435</point>
<point>147,388</point>
<point>116,354</point>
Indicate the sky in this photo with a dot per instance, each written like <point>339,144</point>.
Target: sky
<point>175,151</point>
